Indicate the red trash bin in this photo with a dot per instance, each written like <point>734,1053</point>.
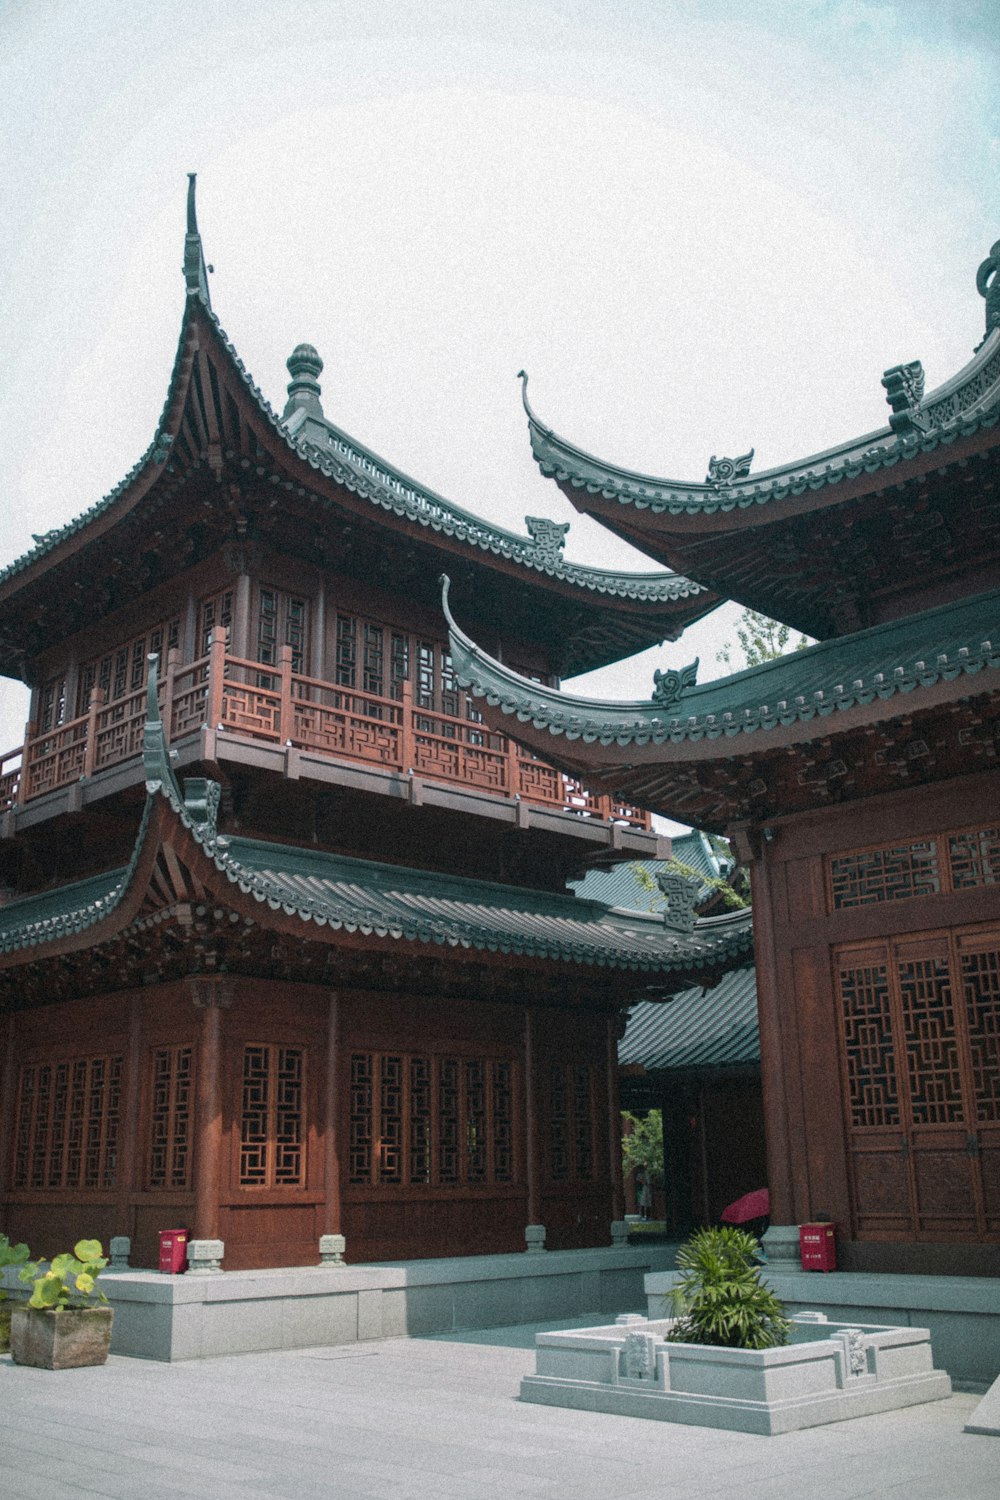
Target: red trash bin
<point>818,1247</point>
<point>173,1251</point>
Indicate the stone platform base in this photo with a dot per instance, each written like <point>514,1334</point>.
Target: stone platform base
<point>830,1372</point>
<point>961,1312</point>
<point>238,1312</point>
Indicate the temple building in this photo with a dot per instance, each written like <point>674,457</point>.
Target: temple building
<point>857,778</point>
<point>286,949</point>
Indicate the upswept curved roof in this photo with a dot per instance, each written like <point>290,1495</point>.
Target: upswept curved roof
<point>848,537</point>
<point>345,895</point>
<point>930,683</point>
<point>823,681</point>
<point>324,450</point>
<point>967,402</point>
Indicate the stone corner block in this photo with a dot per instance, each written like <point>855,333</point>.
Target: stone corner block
<point>534,1238</point>
<point>331,1249</point>
<point>205,1257</point>
<point>119,1252</point>
<point>781,1246</point>
<point>619,1233</point>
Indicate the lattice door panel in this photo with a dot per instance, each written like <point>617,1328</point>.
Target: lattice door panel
<point>920,1052</point>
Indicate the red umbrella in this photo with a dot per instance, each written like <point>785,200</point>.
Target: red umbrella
<point>755,1205</point>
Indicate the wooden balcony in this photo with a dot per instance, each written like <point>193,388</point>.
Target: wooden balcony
<point>274,705</point>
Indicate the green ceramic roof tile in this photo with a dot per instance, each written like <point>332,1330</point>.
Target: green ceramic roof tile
<point>385,901</point>
<point>621,886</point>
<point>960,407</point>
<point>698,1028</point>
<point>903,657</point>
<point>331,452</point>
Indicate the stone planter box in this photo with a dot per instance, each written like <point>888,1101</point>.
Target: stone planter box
<point>829,1372</point>
<point>63,1339</point>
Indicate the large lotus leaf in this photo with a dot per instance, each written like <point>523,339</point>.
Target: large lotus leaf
<point>88,1250</point>
<point>48,1291</point>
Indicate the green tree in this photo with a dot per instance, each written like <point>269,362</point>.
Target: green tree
<point>759,639</point>
<point>642,1144</point>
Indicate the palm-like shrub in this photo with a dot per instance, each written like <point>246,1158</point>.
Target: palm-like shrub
<point>720,1298</point>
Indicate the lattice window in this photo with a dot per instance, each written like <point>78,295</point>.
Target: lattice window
<point>296,625</point>
<point>391,1119</point>
<point>272,1127</point>
<point>67,1124</point>
<point>346,665</point>
<point>125,669</point>
<point>476,1134</point>
<point>981,983</point>
<point>361,1121</point>
<point>449,1121</point>
<point>170,1118</point>
<point>931,1045</point>
<point>267,627</point>
<point>583,1123</point>
<point>373,660</point>
<point>430,1120</point>
<point>217,610</point>
<point>895,873</point>
<point>289,1152</point>
<point>872,1090</point>
<point>421,1096</point>
<point>399,664</point>
<point>449,687</point>
<point>975,858</point>
<point>503,1123</point>
<point>425,675</point>
<point>52,705</point>
<point>559,1150</point>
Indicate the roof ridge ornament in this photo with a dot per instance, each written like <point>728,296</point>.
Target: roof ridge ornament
<point>195,269</point>
<point>680,892</point>
<point>155,755</point>
<point>988,286</point>
<point>548,538</point>
<point>305,367</point>
<point>671,685</point>
<point>904,391</point>
<point>726,470</point>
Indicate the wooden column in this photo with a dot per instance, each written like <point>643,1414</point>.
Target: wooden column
<point>331,1143</point>
<point>773,1056</point>
<point>241,615</point>
<point>129,1169</point>
<point>532,1142</point>
<point>7,1106</point>
<point>216,676</point>
<point>211,996</point>
<point>615,1121</point>
<point>318,633</point>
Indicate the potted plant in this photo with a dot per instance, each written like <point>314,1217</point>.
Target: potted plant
<point>10,1255</point>
<point>61,1326</point>
<point>720,1299</point>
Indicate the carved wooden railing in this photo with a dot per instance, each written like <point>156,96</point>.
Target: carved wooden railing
<point>274,705</point>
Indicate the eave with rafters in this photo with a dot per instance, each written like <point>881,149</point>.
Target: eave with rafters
<point>836,541</point>
<point>901,704</point>
<point>246,475</point>
<point>269,909</point>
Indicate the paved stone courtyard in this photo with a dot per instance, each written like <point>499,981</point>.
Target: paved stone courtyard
<point>418,1419</point>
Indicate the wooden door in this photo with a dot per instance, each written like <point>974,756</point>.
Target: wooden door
<point>920,1032</point>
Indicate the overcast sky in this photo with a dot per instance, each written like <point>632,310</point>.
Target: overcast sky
<point>700,227</point>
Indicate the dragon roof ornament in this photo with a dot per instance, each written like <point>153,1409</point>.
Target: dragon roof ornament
<point>964,404</point>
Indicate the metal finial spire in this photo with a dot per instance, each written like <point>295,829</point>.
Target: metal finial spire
<point>195,269</point>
